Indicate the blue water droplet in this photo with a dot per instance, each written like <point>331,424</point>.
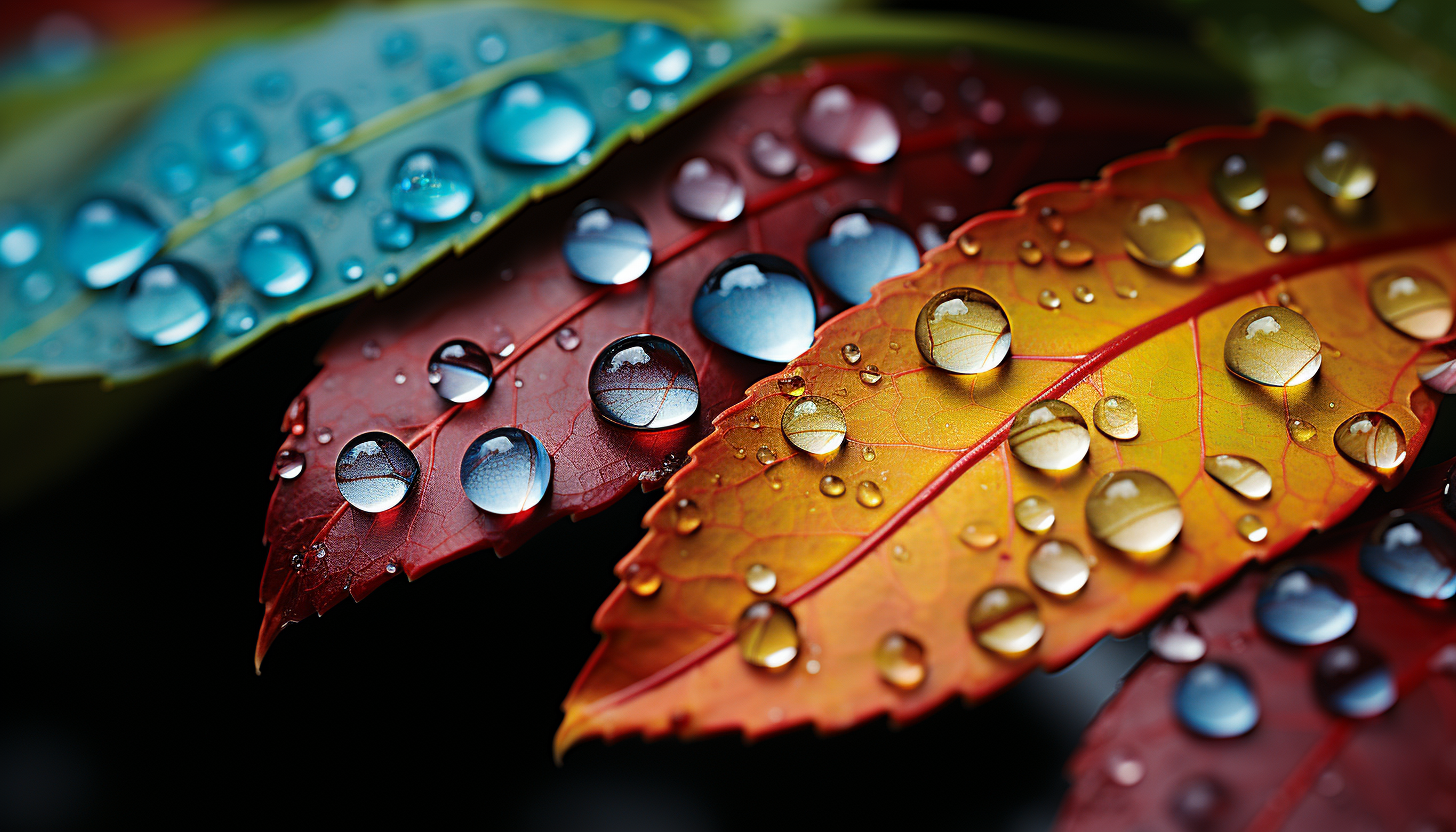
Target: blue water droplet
<point>324,117</point>
<point>644,381</point>
<point>460,371</point>
<point>168,302</point>
<point>758,305</point>
<point>717,53</point>
<point>375,471</point>
<point>1215,700</point>
<point>398,47</point>
<point>706,189</point>
<point>1354,681</point>
<point>277,259</point>
<point>490,47</point>
<point>654,54</point>
<point>431,185</point>
<point>444,68</point>
<point>351,269</point>
<point>505,471</point>
<point>238,318</point>
<point>864,246</point>
<point>537,120</point>
<point>1412,553</point>
<point>231,139</point>
<point>173,169</point>
<point>606,243</point>
<point>1305,605</point>
<point>20,237</point>
<point>108,239</point>
<point>335,178</point>
<point>35,288</point>
<point>639,99</point>
<point>273,88</point>
<point>393,232</point>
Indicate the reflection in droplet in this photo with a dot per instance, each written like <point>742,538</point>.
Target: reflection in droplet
<point>238,318</point>
<point>1341,168</point>
<point>1050,435</point>
<point>1412,301</point>
<point>1005,620</point>
<point>1116,416</point>
<point>1164,234</point>
<point>1354,681</point>
<point>870,374</point>
<point>289,463</point>
<point>654,54</point>
<point>1034,514</point>
<point>536,120</point>
<point>168,302</point>
<point>760,579</point>
<point>1301,431</point>
<point>644,382</point>
<point>706,189</point>
<point>1372,440</point>
<point>766,455</point>
<point>868,495</point>
<point>335,178</point>
<point>979,536</point>
<point>643,579</point>
<point>606,243</point>
<point>1134,511</point>
<point>963,331</point>
<point>393,232</point>
<point>1058,567</point>
<point>505,471</point>
<point>851,353</point>
<point>839,123</point>
<point>324,117</point>
<point>1412,553</point>
<point>1240,185</point>
<point>864,246</point>
<point>1215,700</point>
<point>814,424</point>
<point>1246,476</point>
<point>1176,639</point>
<point>375,471</point>
<point>968,245</point>
<point>431,185</point>
<point>1273,346</point>
<point>1047,299</point>
<point>108,239</point>
<point>1029,253</point>
<point>1073,254</point>
<point>276,259</point>
<point>768,635</point>
<point>771,155</point>
<point>757,305</point>
<point>686,516</point>
<point>567,338</point>
<point>831,486</point>
<point>792,385</point>
<point>231,139</point>
<point>900,660</point>
<point>460,371</point>
<point>1304,605</point>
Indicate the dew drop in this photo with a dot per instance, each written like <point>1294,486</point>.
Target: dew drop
<point>1246,476</point>
<point>1052,219</point>
<point>1125,291</point>
<point>490,47</point>
<point>771,155</point>
<point>505,471</point>
<point>1372,440</point>
<point>968,245</point>
<point>1048,299</point>
<point>654,54</point>
<point>1354,681</point>
<point>168,302</point>
<point>1176,639</point>
<point>1412,301</point>
<point>375,471</point>
<point>851,353</point>
<point>869,454</point>
<point>537,120</point>
<point>1125,771</point>
<point>289,463</point>
<point>814,424</point>
<point>390,277</point>
<point>740,453</point>
<point>768,635</point>
<point>567,338</point>
<point>1305,605</point>
<point>757,305</point>
<point>276,259</point>
<point>1301,236</point>
<point>900,660</point>
<point>643,579</point>
<point>173,170</point>
<point>1251,528</point>
<point>232,140</point>
<point>706,189</point>
<point>398,47</point>
<point>431,185</point>
<point>1034,514</point>
<point>1050,435</point>
<point>1164,234</point>
<point>323,435</point>
<point>1273,346</point>
<point>975,158</point>
<point>831,486</point>
<point>335,178</point>
<point>324,117</point>
<point>1116,416</point>
<point>391,568</point>
<point>760,579</point>
<point>765,455</point>
<point>645,382</point>
<point>1239,184</point>
<point>839,123</point>
<point>979,536</point>
<point>36,287</point>
<point>1411,553</point>
<point>1058,568</point>
<point>606,243</point>
<point>108,239</point>
<point>791,385</point>
<point>686,516</point>
<point>1005,620</point>
<point>238,318</point>
<point>1029,253</point>
<point>963,331</point>
<point>1301,431</point>
<point>870,374</point>
<point>460,371</point>
<point>1215,700</point>
<point>1073,254</point>
<point>864,246</point>
<point>393,232</point>
<point>1341,168</point>
<point>1135,512</point>
<point>868,495</point>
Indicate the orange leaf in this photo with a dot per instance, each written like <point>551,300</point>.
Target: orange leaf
<point>881,579</point>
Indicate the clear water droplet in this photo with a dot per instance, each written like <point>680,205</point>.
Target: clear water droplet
<point>870,374</point>
<point>706,189</point>
<point>398,47</point>
<point>963,331</point>
<point>1050,435</point>
<point>1051,219</point>
<point>108,239</point>
<point>1135,512</point>
<point>900,660</point>
<point>754,422</point>
<point>323,435</point>
<point>768,635</point>
<point>1301,431</point>
<point>771,155</point>
<point>639,99</point>
<point>1411,553</point>
<point>390,276</point>
<point>757,305</point>
<point>1058,568</point>
<point>1371,440</point>
<point>391,568</point>
<point>1246,476</point>
<point>1030,253</point>
<point>1251,528</point>
<point>231,139</point>
<point>868,495</point>
<point>644,382</point>
<point>1176,639</point>
<point>431,185</point>
<point>168,302</point>
<point>1125,770</point>
<point>979,536</point>
<point>839,123</point>
<point>1240,185</point>
<point>740,453</point>
<point>459,371</point>
<point>1215,700</point>
<point>654,54</point>
<point>1354,681</point>
<point>864,246</point>
<point>1412,302</point>
<point>400,377</point>
<point>1341,167</point>
<point>814,424</point>
<point>1048,299</point>
<point>831,486</point>
<point>1201,804</point>
<point>1125,291</point>
<point>1005,620</point>
<point>393,232</point>
<point>567,338</point>
<point>324,117</point>
<point>851,353</point>
<point>766,455</point>
<point>490,47</point>
<point>968,245</point>
<point>606,243</point>
<point>1304,605</point>
<point>760,579</point>
<point>375,471</point>
<point>1164,234</point>
<point>276,259</point>
<point>537,120</point>
<point>1073,254</point>
<point>643,579</point>
<point>289,463</point>
<point>351,269</point>
<point>1116,416</point>
<point>1273,346</point>
<point>335,178</point>
<point>1034,514</point>
<point>686,516</point>
<point>718,53</point>
<point>173,170</point>
<point>238,318</point>
<point>505,471</point>
<point>35,288</point>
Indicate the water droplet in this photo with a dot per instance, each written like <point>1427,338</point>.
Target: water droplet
<point>36,287</point>
<point>400,377</point>
<point>505,471</point>
<point>1164,234</point>
<point>1412,553</point>
<point>1050,435</point>
<point>654,54</point>
<point>168,302</point>
<point>490,47</point>
<point>1354,681</point>
<point>1342,169</point>
<point>1052,219</point>
<point>1251,528</point>
<point>1125,291</point>
<point>398,47</point>
<point>1029,253</point>
<point>289,463</point>
<point>1034,514</point>
<point>831,486</point>
<point>323,435</point>
<point>757,305</point>
<point>336,178</point>
<point>1048,299</point>
<point>644,382</point>
<point>351,269</point>
<point>1302,431</point>
<point>1201,804</point>
<point>391,568</point>
<point>771,155</point>
<point>686,516</point>
<point>1300,234</point>
<point>761,579</point>
<point>766,455</point>
<point>851,353</point>
<point>324,117</point>
<point>814,424</point>
<point>444,68</point>
<point>567,338</point>
<point>868,495</point>
<point>900,660</point>
<point>108,239</point>
<point>375,471</point>
<point>768,635</point>
<point>1273,346</point>
<point>643,579</point>
<point>870,374</point>
<point>1412,301</point>
<point>459,371</point>
<point>1371,439</point>
<point>1246,476</point>
<point>1041,106</point>
<point>968,245</point>
<point>839,123</point>
<point>431,185</point>
<point>1239,184</point>
<point>863,247</point>
<point>1059,568</point>
<point>1073,254</point>
<point>231,139</point>
<point>1135,512</point>
<point>1116,416</point>
<point>1005,620</point>
<point>963,331</point>
<point>979,536</point>
<point>706,189</point>
<point>1304,605</point>
<point>276,259</point>
<point>1176,639</point>
<point>390,277</point>
<point>1214,700</point>
<point>537,120</point>
<point>1124,770</point>
<point>393,232</point>
<point>238,318</point>
<point>172,169</point>
<point>606,243</point>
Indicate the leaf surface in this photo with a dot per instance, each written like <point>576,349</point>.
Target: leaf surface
<point>933,444</point>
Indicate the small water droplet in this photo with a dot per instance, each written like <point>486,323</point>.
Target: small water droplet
<point>757,305</point>
<point>276,259</point>
<point>868,495</point>
<point>1074,254</point>
<point>1034,514</point>
<point>718,53</point>
<point>643,579</point>
<point>740,453</point>
<point>459,371</point>
<point>1301,431</point>
<point>1201,804</point>
<point>490,47</point>
<point>1299,234</point>
<point>865,245</point>
<point>1215,700</point>
<point>851,353</point>
<point>351,269</point>
<point>974,157</point>
<point>1412,302</point>
<point>335,178</point>
<point>1164,234</point>
<point>36,287</point>
<point>1239,184</point>
<point>839,123</point>
<point>323,435</point>
<point>1005,620</point>
<point>567,338</point>
<point>654,54</point>
<point>1029,253</point>
<point>393,232</point>
<point>375,471</point>
<point>869,454</point>
<point>1372,440</point>
<point>391,568</point>
<point>238,318</point>
<point>1050,435</point>
<point>231,138</point>
<point>1116,416</point>
<point>295,420</point>
<point>1354,681</point>
<point>1412,553</point>
<point>1341,168</point>
<point>1251,528</point>
<point>706,189</point>
<point>1052,219</point>
<point>324,117</point>
<point>754,422</point>
<point>968,245</point>
<point>760,579</point>
<point>979,536</point>
<point>390,277</point>
<point>768,635</point>
<point>644,382</point>
<point>289,463</point>
<point>431,185</point>
<point>400,377</point>
<point>686,516</point>
<point>606,243</point>
<point>831,486</point>
<point>814,424</point>
<point>168,302</point>
<point>536,120</point>
<point>792,385</point>
<point>1059,568</point>
<point>1305,605</point>
<point>1048,299</point>
<point>505,471</point>
<point>1273,346</point>
<point>639,99</point>
<point>444,68</point>
<point>766,455</point>
<point>900,660</point>
<point>1125,291</point>
<point>1176,639</point>
<point>1246,476</point>
<point>771,155</point>
<point>1124,770</point>
<point>870,374</point>
<point>1135,512</point>
<point>398,47</point>
<point>108,239</point>
<point>963,331</point>
<point>173,170</point>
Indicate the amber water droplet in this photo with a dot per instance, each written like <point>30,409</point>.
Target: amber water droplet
<point>1412,301</point>
<point>1125,291</point>
<point>760,579</point>
<point>979,536</point>
<point>1083,294</point>
<point>1059,568</point>
<point>1072,254</point>
<point>1273,346</point>
<point>1029,253</point>
<point>1054,222</point>
<point>1371,439</point>
<point>1341,168</point>
<point>1246,476</point>
<point>894,346</point>
<point>869,453</point>
<point>870,374</point>
<point>968,245</point>
<point>1050,435</point>
<point>900,660</point>
<point>1048,299</point>
<point>1240,185</point>
<point>1135,512</point>
<point>766,455</point>
<point>1035,514</point>
<point>868,495</point>
<point>831,486</point>
<point>1176,639</point>
<point>1116,416</point>
<point>963,331</point>
<point>1251,528</point>
<point>1275,240</point>
<point>754,422</point>
<point>295,421</point>
<point>686,517</point>
<point>643,579</point>
<point>814,424</point>
<point>740,453</point>
<point>768,635</point>
<point>1005,620</point>
<point>1301,431</point>
<point>791,385</point>
<point>1164,234</point>
<point>851,353</point>
<point>776,483</point>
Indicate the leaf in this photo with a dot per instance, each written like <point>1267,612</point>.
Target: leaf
<point>73,331</point>
<point>856,572</point>
<point>515,289</point>
<point>1301,767</point>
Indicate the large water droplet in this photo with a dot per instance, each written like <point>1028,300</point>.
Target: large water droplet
<point>1164,234</point>
<point>1246,476</point>
<point>1412,301</point>
<point>173,169</point>
<point>1116,416</point>
<point>1059,568</point>
<point>1240,185</point>
<point>460,371</point>
<point>1134,511</point>
<point>375,471</point>
<point>963,331</point>
<point>758,305</point>
<point>537,120</point>
<point>393,232</point>
<point>771,155</point>
<point>335,178</point>
<point>1215,700</point>
<point>760,579</point>
<point>505,471</point>
<point>814,424</point>
<point>864,246</point>
<point>839,123</point>
<point>1305,605</point>
<point>1176,639</point>
<point>277,259</point>
<point>643,579</point>
<point>431,185</point>
<point>606,243</point>
<point>706,189</point>
<point>1372,440</point>
<point>324,117</point>
<point>868,495</point>
<point>768,635</point>
<point>644,381</point>
<point>1412,553</point>
<point>289,463</point>
<point>654,54</point>
<point>231,139</point>
<point>168,302</point>
<point>1273,346</point>
<point>1005,620</point>
<point>1050,435</point>
<point>1354,681</point>
<point>900,660</point>
<point>1034,514</point>
<point>108,239</point>
<point>1341,168</point>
